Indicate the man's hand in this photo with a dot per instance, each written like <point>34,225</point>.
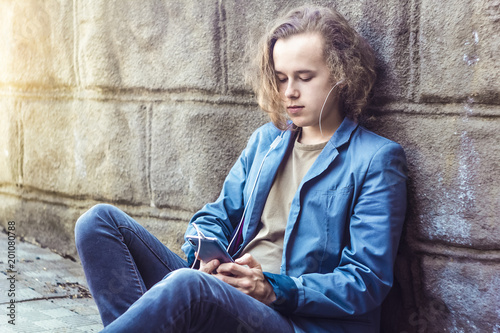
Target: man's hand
<point>245,275</point>
<point>209,267</point>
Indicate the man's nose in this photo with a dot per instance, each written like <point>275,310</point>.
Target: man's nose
<point>291,90</point>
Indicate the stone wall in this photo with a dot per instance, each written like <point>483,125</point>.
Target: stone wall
<point>142,104</point>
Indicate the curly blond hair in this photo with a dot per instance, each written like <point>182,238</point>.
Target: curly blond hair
<point>347,55</point>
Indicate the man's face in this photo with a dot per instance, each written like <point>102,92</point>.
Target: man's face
<point>304,80</point>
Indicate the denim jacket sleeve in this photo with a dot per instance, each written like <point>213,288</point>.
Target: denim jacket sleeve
<point>364,274</point>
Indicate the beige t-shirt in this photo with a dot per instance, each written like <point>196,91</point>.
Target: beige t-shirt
<point>267,246</point>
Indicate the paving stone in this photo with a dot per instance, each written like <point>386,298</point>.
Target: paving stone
<point>24,326</point>
<point>27,293</point>
<point>89,328</point>
<point>57,313</point>
<point>33,313</point>
<point>51,324</point>
<point>79,320</point>
<point>38,308</point>
<point>9,329</point>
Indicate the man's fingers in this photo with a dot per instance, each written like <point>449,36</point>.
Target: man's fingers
<point>246,275</point>
<point>248,260</point>
<point>227,279</point>
<point>209,267</point>
<point>241,267</point>
<point>242,283</point>
<point>231,269</point>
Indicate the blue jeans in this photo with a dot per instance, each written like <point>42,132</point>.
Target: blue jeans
<point>139,285</point>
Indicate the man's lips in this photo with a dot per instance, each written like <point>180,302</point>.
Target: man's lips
<point>294,108</point>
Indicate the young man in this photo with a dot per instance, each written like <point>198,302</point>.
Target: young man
<point>313,209</point>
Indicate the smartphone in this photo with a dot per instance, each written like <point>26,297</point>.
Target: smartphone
<point>209,248</point>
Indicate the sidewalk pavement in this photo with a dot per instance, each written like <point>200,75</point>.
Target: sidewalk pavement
<point>51,294</point>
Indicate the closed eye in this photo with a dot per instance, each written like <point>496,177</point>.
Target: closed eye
<point>306,79</point>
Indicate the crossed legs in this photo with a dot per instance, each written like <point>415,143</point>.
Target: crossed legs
<point>139,284</point>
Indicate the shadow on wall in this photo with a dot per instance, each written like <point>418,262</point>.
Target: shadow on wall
<point>407,308</point>
<point>402,310</point>
<point>40,223</point>
<point>399,310</point>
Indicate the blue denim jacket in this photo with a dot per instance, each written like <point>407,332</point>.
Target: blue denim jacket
<point>342,232</point>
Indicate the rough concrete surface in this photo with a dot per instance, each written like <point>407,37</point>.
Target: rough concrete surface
<point>144,105</point>
<point>51,294</point>
<point>463,49</point>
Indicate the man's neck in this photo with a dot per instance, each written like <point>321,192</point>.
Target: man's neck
<point>312,135</point>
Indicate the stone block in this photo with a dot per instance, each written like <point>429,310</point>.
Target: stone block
<point>458,296</point>
<point>49,220</point>
<point>50,225</point>
<point>149,44</point>
<point>384,24</point>
<point>454,196</point>
<point>193,148</point>
<point>459,48</point>
<point>37,43</point>
<point>10,141</point>
<point>87,149</point>
<point>169,232</point>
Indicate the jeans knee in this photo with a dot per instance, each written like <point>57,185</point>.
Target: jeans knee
<point>89,221</point>
<point>185,275</point>
<point>188,281</point>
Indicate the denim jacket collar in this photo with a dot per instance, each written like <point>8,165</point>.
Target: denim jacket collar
<point>343,133</point>
<point>275,157</point>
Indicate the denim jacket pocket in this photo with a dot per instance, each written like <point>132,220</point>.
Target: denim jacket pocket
<point>336,222</point>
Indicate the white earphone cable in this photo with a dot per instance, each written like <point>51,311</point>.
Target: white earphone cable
<point>324,103</point>
<point>273,145</point>
<point>200,234</point>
